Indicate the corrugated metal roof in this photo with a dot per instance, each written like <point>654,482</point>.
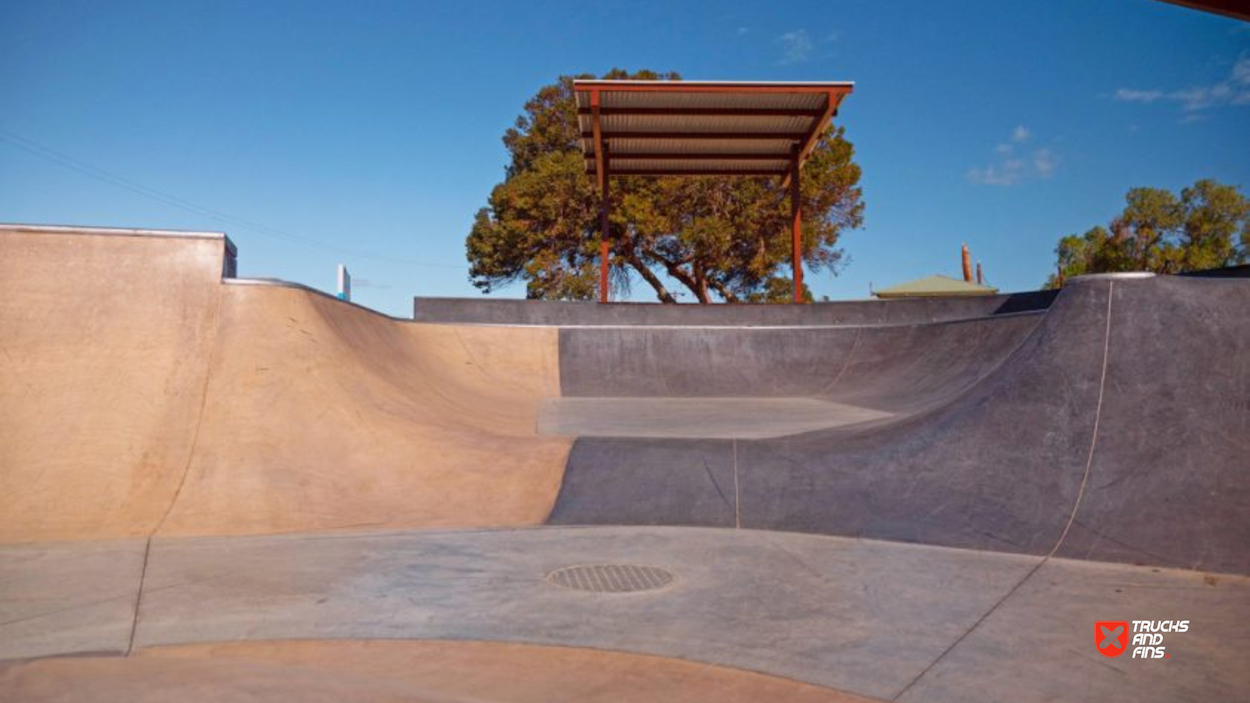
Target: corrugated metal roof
<point>622,147</point>
<point>936,286</point>
<point>693,127</point>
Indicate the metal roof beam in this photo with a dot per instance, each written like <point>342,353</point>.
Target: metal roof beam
<point>687,156</point>
<point>788,136</point>
<point>704,111</point>
<point>697,172</point>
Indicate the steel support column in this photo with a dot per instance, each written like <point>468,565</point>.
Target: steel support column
<point>605,213</point>
<point>796,231</point>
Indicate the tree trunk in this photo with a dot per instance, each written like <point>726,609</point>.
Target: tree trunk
<point>679,274</point>
<point>724,292</point>
<point>700,284</point>
<point>649,276</point>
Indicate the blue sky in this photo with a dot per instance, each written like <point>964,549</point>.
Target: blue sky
<point>368,132</point>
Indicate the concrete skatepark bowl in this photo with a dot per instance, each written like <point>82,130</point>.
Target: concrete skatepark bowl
<point>227,489</point>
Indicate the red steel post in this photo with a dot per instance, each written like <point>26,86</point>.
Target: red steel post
<point>796,231</point>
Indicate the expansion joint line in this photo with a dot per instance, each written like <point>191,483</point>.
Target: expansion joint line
<point>1076,504</point>
<point>737,494</point>
<point>846,364</point>
<point>215,328</point>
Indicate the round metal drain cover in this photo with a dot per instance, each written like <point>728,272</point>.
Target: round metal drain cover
<point>611,578</point>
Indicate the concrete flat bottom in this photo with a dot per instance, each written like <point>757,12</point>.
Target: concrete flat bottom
<point>876,619</point>
<point>709,418</point>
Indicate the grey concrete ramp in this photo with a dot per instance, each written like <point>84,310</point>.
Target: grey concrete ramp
<point>1123,404</point>
<point>840,363</point>
<point>1169,478</point>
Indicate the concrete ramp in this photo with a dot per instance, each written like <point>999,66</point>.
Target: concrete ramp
<point>214,488</point>
<point>1111,427</point>
<point>145,394</point>
<point>103,366</point>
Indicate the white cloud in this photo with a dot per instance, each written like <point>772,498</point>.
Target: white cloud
<point>796,47</point>
<point>1007,173</point>
<point>1011,168</point>
<point>1139,96</point>
<point>1045,162</point>
<point>1234,90</point>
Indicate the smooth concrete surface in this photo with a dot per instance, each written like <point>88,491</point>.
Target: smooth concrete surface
<point>1124,403</point>
<point>141,393</point>
<point>1170,475</point>
<point>791,605</point>
<point>502,311</point>
<point>104,347</point>
<point>799,362</point>
<point>397,670</point>
<point>876,619</point>
<point>722,418</point>
<point>68,596</point>
<point>1028,645</point>
<point>320,415</point>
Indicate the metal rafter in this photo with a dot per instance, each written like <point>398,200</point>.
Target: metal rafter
<point>702,112</point>
<point>687,156</point>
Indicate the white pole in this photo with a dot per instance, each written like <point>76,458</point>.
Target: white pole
<point>345,284</point>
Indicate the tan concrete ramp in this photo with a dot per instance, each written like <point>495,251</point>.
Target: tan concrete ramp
<point>103,362</point>
<point>142,394</point>
<point>321,415</point>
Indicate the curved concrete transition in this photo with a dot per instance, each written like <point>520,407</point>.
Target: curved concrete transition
<point>1112,427</point>
<point>221,489</point>
<point>143,395</point>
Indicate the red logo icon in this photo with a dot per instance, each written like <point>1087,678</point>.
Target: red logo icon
<point>1111,637</point>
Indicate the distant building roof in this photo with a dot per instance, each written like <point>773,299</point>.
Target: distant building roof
<point>936,286</point>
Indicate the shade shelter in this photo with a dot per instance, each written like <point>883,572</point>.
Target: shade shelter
<point>703,128</point>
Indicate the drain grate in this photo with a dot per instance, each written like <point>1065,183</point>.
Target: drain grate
<point>611,578</point>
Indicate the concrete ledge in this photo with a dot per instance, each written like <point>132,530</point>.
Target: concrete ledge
<point>854,312</point>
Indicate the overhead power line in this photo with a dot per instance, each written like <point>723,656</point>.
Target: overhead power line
<point>66,161</point>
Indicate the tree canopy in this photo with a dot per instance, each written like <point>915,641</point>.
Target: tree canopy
<point>1207,226</point>
<point>724,237</point>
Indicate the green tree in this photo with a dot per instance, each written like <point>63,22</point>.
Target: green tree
<point>1207,226</point>
<point>721,238</point>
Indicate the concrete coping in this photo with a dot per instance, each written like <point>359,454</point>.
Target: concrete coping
<point>1121,275</point>
<point>119,232</point>
<point>281,283</point>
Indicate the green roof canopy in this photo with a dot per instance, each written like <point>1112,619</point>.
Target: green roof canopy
<point>936,286</point>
